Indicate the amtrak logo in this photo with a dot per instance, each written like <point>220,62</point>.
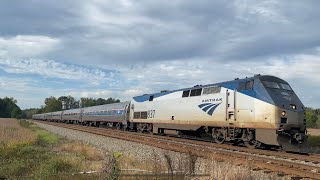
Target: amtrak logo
<point>208,107</point>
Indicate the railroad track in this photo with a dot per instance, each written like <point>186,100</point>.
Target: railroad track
<point>297,165</point>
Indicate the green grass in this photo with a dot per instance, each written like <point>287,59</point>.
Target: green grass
<point>25,124</point>
<point>314,141</point>
<point>35,160</point>
<point>44,137</point>
<point>44,156</point>
<point>314,144</point>
<point>30,160</point>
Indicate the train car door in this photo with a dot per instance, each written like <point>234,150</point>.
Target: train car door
<point>231,105</point>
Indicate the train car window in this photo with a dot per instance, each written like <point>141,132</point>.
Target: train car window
<point>144,115</point>
<point>198,92</point>
<point>195,92</point>
<point>186,93</point>
<point>271,84</point>
<point>136,115</point>
<point>285,86</point>
<point>151,98</point>
<point>211,90</point>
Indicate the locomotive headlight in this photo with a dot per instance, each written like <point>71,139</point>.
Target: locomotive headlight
<point>293,106</point>
<point>283,113</point>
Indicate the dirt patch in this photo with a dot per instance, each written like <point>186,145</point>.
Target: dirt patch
<point>90,153</point>
<point>314,132</point>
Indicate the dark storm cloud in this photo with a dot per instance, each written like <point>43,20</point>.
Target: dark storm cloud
<point>146,31</point>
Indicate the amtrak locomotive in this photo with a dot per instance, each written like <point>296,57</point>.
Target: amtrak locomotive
<point>261,111</point>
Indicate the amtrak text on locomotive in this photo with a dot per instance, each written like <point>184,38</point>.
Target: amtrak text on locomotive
<point>212,100</point>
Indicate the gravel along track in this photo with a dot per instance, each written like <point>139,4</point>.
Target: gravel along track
<point>143,153</point>
<point>303,169</point>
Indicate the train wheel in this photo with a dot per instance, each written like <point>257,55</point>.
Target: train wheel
<point>149,128</point>
<point>118,126</point>
<point>252,144</point>
<point>140,128</point>
<point>219,135</point>
<point>124,127</point>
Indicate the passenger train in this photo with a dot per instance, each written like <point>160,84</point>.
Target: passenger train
<point>256,111</point>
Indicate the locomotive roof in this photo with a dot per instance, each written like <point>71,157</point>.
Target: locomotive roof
<point>225,83</point>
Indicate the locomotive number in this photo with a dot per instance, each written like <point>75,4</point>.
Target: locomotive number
<point>151,114</point>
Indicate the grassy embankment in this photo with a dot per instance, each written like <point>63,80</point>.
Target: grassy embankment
<point>29,151</point>
<point>314,140</point>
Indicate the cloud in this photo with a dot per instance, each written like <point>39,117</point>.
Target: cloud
<point>134,92</point>
<point>26,46</point>
<point>298,70</point>
<point>53,69</point>
<point>299,66</point>
<point>24,90</point>
<point>226,31</point>
<point>129,32</point>
<point>14,84</point>
<point>93,93</point>
<point>123,48</point>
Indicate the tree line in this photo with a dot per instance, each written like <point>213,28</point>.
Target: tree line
<point>313,118</point>
<point>9,108</point>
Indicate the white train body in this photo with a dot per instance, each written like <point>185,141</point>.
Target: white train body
<point>246,106</point>
<point>261,110</point>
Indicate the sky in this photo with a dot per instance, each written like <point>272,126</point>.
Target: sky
<point>123,48</point>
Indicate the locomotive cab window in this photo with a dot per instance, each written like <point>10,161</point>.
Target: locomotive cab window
<point>245,85</point>
<point>285,87</point>
<point>211,90</point>
<point>186,93</point>
<point>270,84</point>
<point>195,92</point>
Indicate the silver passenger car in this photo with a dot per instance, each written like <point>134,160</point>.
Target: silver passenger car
<point>47,116</point>
<point>56,116</point>
<point>116,112</point>
<point>71,115</point>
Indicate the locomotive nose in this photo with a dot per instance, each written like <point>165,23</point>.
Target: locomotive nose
<point>291,119</point>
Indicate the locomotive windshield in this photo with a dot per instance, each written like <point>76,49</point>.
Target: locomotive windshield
<point>275,85</point>
<point>286,86</point>
<point>271,85</point>
<point>281,93</point>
